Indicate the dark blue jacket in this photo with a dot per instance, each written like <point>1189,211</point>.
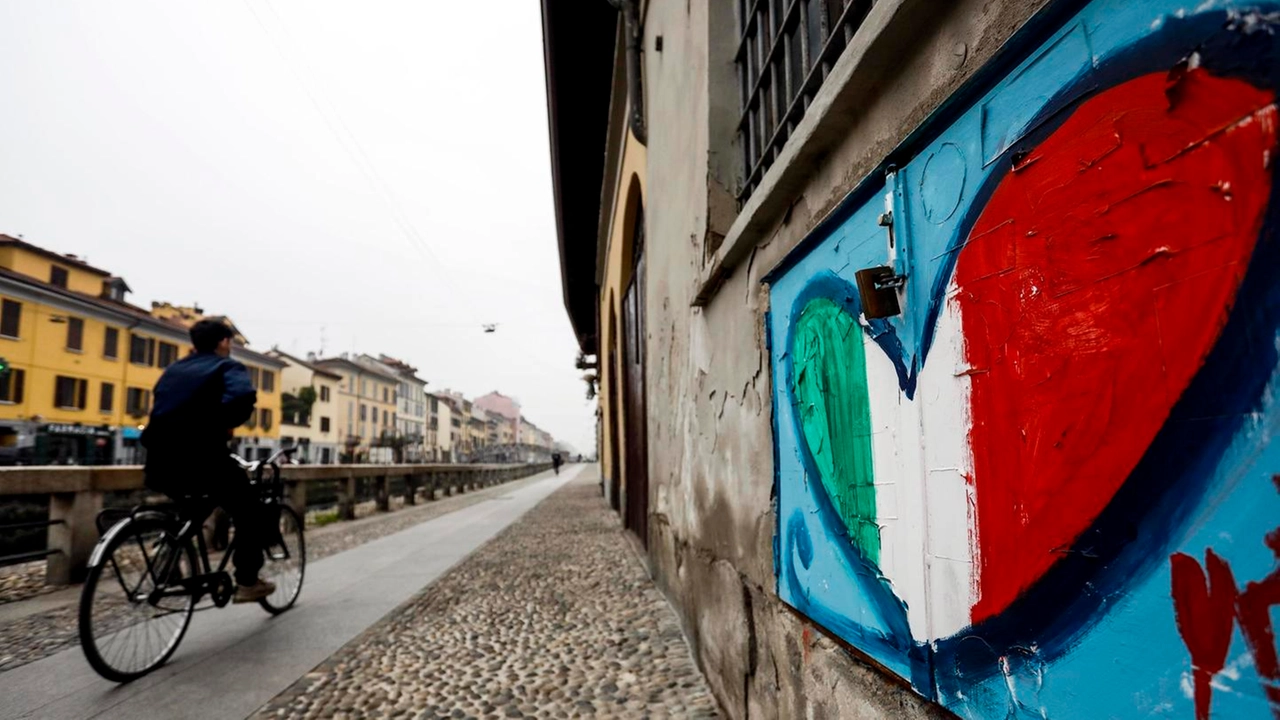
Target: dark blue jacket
<point>198,402</point>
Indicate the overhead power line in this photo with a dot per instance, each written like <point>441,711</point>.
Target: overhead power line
<point>351,145</point>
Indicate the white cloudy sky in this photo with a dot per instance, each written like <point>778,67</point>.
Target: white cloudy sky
<point>274,160</point>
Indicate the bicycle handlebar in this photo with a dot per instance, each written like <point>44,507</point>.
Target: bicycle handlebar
<point>254,468</point>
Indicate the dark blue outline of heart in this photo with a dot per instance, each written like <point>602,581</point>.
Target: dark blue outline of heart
<point>876,589</point>
<point>1163,493</point>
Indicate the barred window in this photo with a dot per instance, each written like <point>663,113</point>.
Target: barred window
<point>12,385</point>
<point>168,354</point>
<point>138,402</point>
<point>70,393</point>
<point>786,49</point>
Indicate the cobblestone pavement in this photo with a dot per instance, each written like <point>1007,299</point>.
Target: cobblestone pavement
<point>19,582</point>
<point>42,634</point>
<point>555,617</point>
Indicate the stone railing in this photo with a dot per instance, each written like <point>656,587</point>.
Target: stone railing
<point>76,496</point>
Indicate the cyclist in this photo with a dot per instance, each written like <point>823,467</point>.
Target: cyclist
<point>199,401</point>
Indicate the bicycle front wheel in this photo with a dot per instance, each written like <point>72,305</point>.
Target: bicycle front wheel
<point>286,562</point>
<point>126,629</point>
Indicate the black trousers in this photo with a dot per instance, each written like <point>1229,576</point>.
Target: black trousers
<point>219,482</point>
<point>243,503</point>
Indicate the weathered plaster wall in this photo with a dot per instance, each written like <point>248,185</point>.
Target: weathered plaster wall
<point>711,446</point>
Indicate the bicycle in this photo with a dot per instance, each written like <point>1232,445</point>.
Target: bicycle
<point>150,570</point>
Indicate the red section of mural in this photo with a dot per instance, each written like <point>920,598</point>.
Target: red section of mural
<point>1092,287</point>
<point>1254,606</point>
<point>1205,611</point>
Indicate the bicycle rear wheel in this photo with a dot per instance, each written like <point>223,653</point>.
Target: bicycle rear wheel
<point>124,632</point>
<point>286,563</point>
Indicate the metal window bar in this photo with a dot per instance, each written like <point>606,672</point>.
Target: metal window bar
<point>19,558</point>
<point>786,49</point>
<point>23,557</point>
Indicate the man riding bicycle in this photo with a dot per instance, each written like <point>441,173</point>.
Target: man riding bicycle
<point>199,401</point>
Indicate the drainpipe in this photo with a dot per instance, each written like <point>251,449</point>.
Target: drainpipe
<point>634,31</point>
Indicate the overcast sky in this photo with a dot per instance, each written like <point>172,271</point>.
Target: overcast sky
<point>349,176</point>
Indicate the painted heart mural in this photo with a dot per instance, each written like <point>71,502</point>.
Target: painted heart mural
<point>1100,326</point>
<point>1091,289</point>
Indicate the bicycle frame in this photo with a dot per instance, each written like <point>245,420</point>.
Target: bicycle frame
<point>216,583</point>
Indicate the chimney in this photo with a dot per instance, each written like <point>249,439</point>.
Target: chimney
<point>311,357</point>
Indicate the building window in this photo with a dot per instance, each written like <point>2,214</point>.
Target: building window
<point>75,334</point>
<point>70,393</point>
<point>137,402</point>
<point>324,394</point>
<point>142,350</point>
<point>364,387</point>
<point>384,417</point>
<point>58,276</point>
<point>324,424</point>
<point>11,386</point>
<point>266,418</point>
<point>111,344</point>
<point>363,409</point>
<point>268,381</point>
<point>785,51</point>
<point>107,400</point>
<point>384,394</point>
<point>168,354</point>
<point>255,378</point>
<point>10,318</point>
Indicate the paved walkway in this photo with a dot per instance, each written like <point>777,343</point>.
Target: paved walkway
<point>234,660</point>
<point>554,618</point>
<point>44,624</point>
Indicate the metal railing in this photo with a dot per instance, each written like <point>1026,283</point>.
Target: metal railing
<point>76,496</point>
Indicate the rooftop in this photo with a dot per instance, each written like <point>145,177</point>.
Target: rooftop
<point>240,352</point>
<point>10,241</point>
<point>114,306</point>
<point>350,364</point>
<point>277,352</point>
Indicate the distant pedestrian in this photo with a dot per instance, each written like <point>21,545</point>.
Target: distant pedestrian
<point>556,462</point>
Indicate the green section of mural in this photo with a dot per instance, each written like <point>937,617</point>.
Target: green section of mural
<point>830,391</point>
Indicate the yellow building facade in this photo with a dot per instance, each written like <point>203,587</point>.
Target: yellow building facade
<point>83,362</point>
<point>317,434</point>
<point>624,209</point>
<point>366,406</point>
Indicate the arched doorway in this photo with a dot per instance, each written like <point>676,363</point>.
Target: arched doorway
<point>633,386</point>
<point>614,367</point>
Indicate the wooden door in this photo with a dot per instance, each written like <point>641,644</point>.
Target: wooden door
<point>637,453</point>
<point>615,460</point>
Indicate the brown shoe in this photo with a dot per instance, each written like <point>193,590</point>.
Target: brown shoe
<point>254,592</point>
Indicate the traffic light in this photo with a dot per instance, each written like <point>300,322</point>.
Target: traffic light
<point>4,368</point>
